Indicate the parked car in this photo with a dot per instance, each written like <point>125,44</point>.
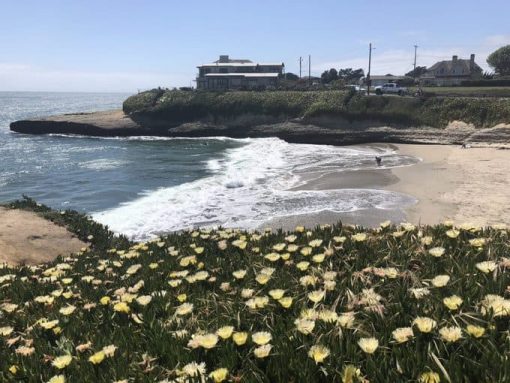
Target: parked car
<point>357,88</point>
<point>390,88</point>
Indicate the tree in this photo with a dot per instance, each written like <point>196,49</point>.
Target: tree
<point>349,75</point>
<point>329,75</point>
<point>417,72</point>
<point>500,60</point>
<point>290,76</point>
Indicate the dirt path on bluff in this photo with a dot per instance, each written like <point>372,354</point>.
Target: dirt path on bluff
<point>26,238</point>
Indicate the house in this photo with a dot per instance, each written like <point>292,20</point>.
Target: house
<point>452,72</point>
<point>227,73</point>
<point>381,80</point>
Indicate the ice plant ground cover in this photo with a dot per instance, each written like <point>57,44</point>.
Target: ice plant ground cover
<point>335,303</point>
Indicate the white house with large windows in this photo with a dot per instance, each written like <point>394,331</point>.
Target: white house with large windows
<point>227,73</point>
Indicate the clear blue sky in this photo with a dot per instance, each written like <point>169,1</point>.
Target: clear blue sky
<point>124,45</point>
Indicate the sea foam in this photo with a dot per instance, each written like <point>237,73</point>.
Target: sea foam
<point>254,183</point>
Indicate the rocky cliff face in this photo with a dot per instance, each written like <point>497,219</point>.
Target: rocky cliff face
<point>317,130</point>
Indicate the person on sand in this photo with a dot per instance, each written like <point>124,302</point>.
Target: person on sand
<point>378,160</point>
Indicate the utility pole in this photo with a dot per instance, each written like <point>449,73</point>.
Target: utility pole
<point>414,71</point>
<point>369,67</point>
<point>300,62</point>
<point>309,70</point>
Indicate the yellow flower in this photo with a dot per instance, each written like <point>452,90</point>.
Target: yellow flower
<point>440,280</point>
<point>262,278</point>
<point>390,272</point>
<point>318,353</point>
<point>385,224</point>
<point>477,242</point>
<point>300,229</point>
<point>292,248</point>
<point>184,309</point>
<point>276,294</point>
<point>497,304</point>
<point>97,358</point>
<point>48,325</point>
<point>318,258</point>
<point>208,341</point>
<point>240,338</point>
<point>290,238</point>
<point>247,293</point>
<point>475,331</point>
<point>13,369</point>
<point>105,300</point>
<point>487,266</point>
<point>306,251</point>
<point>199,250</point>
<point>368,345</point>
<point>316,296</point>
<point>219,375</point>
<point>350,374</point>
<point>6,331</point>
<point>262,351</point>
<point>425,324</point>
<point>174,282</point>
<point>303,265</point>
<point>225,332</point>
<point>239,274</point>
<point>261,337</point>
<point>57,379</point>
<point>328,316</point>
<point>437,251</point>
<point>426,240</point>
<point>338,239</point>
<point>286,302</point>
<point>279,246</point>
<point>429,377</point>
<point>450,334</point>
<point>144,300</point>
<point>453,302</point>
<point>346,320</point>
<point>182,298</point>
<point>121,307</point>
<point>402,334</point>
<point>62,361</point>
<point>452,233</point>
<point>273,257</point>
<point>359,237</point>
<point>305,326</point>
<point>315,243</point>
<point>240,244</point>
<point>68,310</point>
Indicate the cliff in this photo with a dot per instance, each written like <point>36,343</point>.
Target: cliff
<point>330,117</point>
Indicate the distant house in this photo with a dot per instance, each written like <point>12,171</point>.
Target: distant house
<point>227,73</point>
<point>381,80</point>
<point>452,72</point>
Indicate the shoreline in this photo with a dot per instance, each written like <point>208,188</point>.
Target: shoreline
<point>449,183</point>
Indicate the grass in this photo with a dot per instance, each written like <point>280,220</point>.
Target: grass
<point>169,108</point>
<point>166,309</point>
<point>500,91</point>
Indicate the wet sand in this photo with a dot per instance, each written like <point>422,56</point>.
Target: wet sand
<point>465,185</point>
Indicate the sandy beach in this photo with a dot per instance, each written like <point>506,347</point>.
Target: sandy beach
<point>463,185</point>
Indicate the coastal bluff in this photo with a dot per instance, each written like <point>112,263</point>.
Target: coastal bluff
<point>326,117</point>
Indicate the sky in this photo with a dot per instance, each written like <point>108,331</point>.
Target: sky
<point>130,45</point>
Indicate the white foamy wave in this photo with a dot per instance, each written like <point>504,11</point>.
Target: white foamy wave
<point>254,183</point>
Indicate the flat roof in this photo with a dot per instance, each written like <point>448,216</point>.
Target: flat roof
<point>239,64</point>
<point>242,75</point>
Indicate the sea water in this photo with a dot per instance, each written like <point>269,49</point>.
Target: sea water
<point>147,185</point>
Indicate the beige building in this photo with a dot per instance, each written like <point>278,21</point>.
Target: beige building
<point>452,72</point>
<point>227,73</point>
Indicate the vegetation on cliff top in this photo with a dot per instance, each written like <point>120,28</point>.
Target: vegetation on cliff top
<point>336,303</point>
<point>176,107</point>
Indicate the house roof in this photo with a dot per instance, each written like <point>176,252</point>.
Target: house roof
<point>241,64</point>
<point>456,68</point>
<point>242,75</point>
<point>238,61</point>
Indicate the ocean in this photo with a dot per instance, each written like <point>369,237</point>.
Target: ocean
<point>145,186</point>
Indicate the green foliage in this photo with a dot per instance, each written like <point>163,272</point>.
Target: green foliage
<point>500,60</point>
<point>417,72</point>
<point>176,107</point>
<point>371,274</point>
